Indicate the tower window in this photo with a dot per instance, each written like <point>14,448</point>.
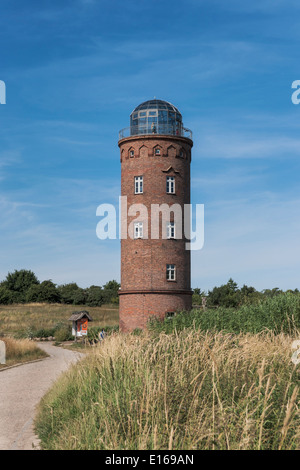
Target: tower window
<point>131,153</point>
<point>171,230</point>
<point>157,151</point>
<point>171,272</point>
<point>138,230</point>
<point>171,184</point>
<point>170,315</point>
<point>138,184</point>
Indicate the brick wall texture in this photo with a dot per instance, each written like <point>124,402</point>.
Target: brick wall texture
<point>145,290</point>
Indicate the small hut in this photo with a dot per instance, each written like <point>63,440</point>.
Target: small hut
<point>80,323</point>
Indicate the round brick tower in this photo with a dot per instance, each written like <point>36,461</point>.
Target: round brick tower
<point>155,187</point>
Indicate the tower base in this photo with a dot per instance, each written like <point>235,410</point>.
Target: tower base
<point>137,308</point>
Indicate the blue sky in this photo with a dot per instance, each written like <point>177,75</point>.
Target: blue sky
<point>74,70</point>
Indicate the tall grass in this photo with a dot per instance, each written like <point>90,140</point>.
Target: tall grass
<point>18,351</point>
<point>277,314</point>
<point>186,390</point>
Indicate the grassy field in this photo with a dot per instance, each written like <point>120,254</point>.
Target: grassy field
<point>41,320</point>
<point>183,390</point>
<point>219,379</point>
<point>19,351</point>
<point>22,322</point>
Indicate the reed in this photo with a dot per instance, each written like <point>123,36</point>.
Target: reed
<point>278,314</point>
<point>185,390</point>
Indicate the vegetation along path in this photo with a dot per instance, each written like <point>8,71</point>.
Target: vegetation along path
<point>21,389</point>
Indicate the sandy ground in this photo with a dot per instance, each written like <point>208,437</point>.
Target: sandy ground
<point>21,389</point>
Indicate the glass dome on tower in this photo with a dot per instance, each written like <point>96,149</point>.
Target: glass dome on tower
<point>156,117</point>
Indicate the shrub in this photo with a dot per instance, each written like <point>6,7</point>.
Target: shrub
<point>280,313</point>
<point>44,333</point>
<point>63,333</point>
<point>19,282</point>
<point>94,331</point>
<point>6,296</point>
<point>95,296</point>
<point>44,292</point>
<point>67,292</point>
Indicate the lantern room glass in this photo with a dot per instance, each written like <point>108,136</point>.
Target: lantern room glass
<point>156,117</point>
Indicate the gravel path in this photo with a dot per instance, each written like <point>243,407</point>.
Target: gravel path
<point>21,389</point>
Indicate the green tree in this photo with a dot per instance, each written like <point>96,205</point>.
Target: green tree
<point>19,282</point>
<point>197,296</point>
<point>95,296</point>
<point>80,296</point>
<point>111,292</point>
<point>227,295</point>
<point>68,292</point>
<point>249,295</point>
<point>272,292</point>
<point>44,292</point>
<point>6,296</point>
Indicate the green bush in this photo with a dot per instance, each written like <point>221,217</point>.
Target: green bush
<point>67,292</point>
<point>18,283</point>
<point>93,331</point>
<point>280,313</point>
<point>44,292</point>
<point>6,296</point>
<point>44,333</point>
<point>63,333</point>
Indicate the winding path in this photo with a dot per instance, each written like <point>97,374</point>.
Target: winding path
<point>21,389</point>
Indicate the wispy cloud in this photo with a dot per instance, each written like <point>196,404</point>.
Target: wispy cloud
<point>8,158</point>
<point>74,72</point>
<point>252,240</point>
<point>231,145</point>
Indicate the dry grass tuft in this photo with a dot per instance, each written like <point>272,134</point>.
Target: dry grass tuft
<point>18,351</point>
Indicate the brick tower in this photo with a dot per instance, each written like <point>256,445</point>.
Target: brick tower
<point>155,170</point>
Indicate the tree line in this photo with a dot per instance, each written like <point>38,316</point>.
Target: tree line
<point>231,296</point>
<point>23,286</point>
